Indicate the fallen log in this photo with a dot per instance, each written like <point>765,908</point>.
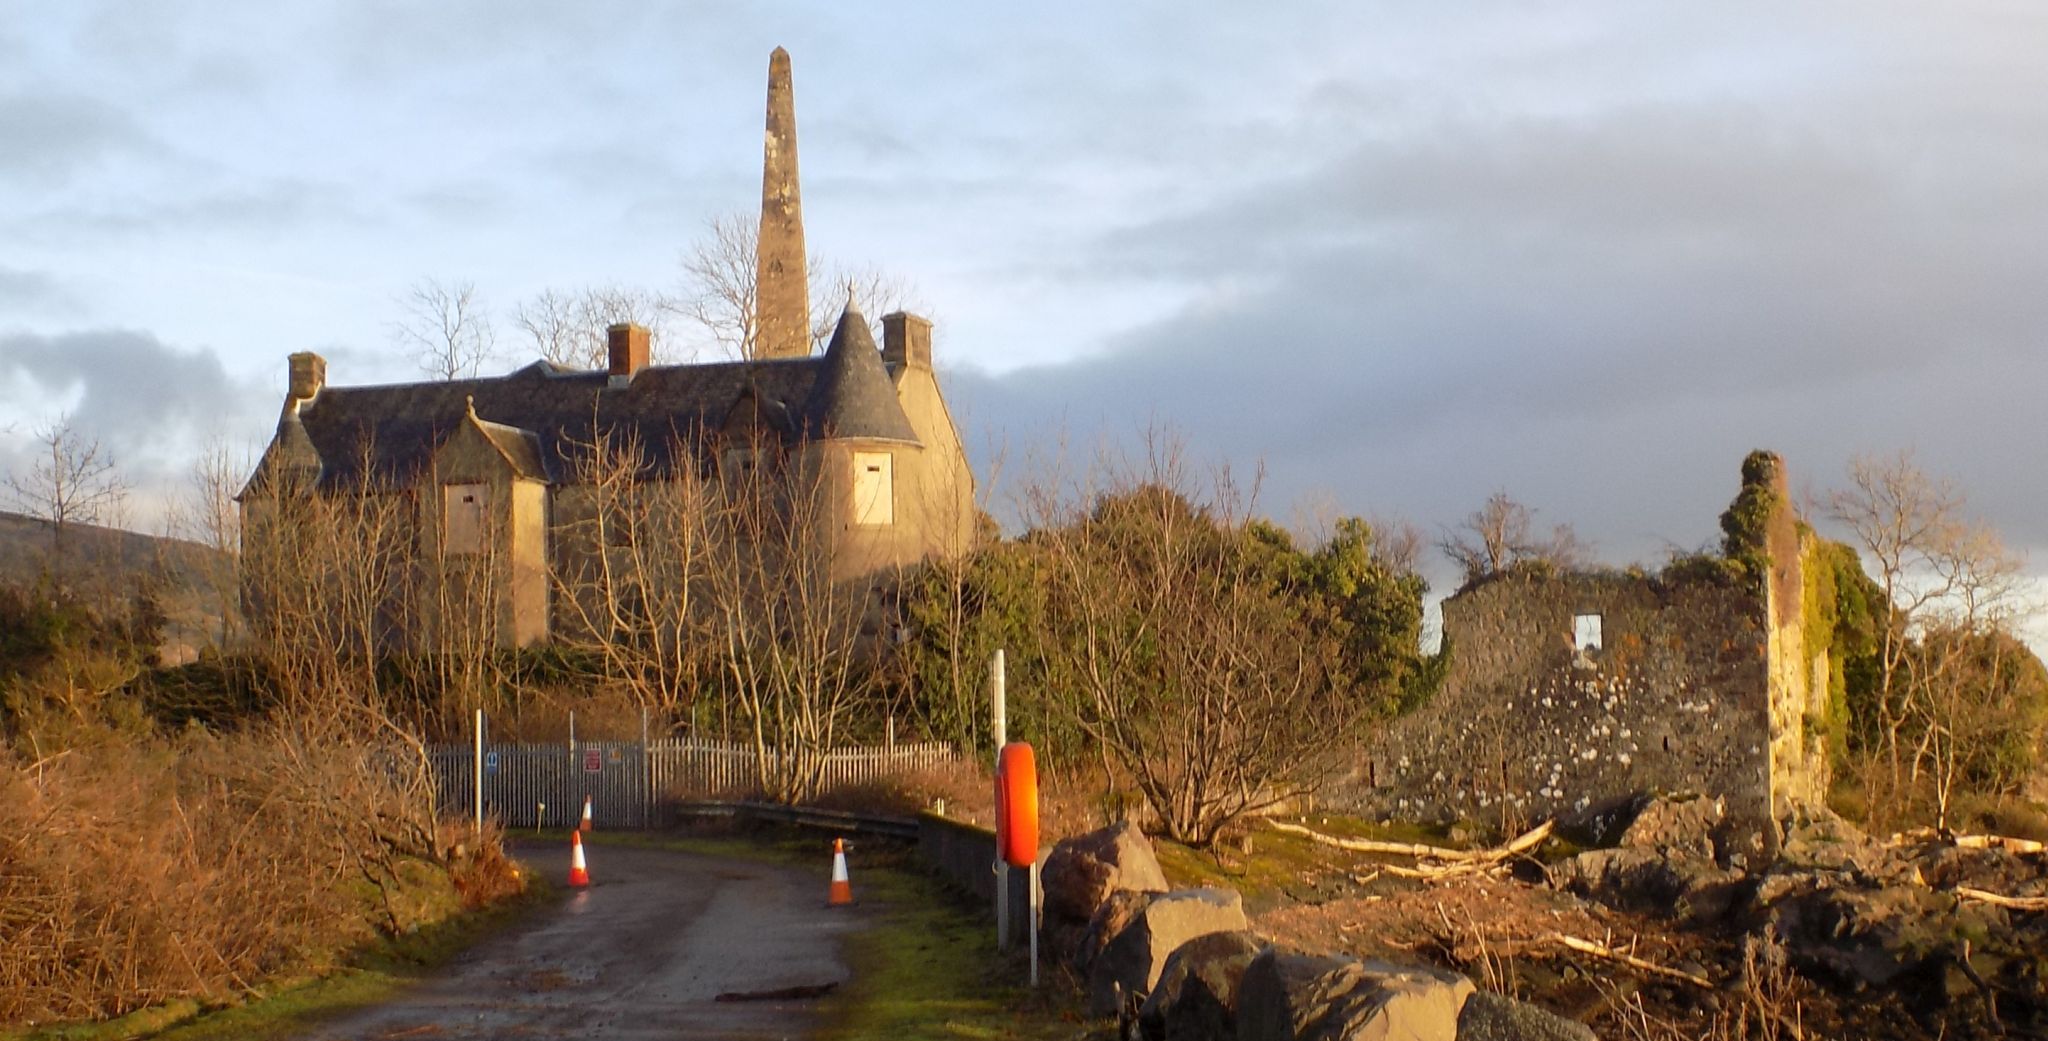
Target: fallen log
<point>1522,844</point>
<point>2004,842</point>
<point>1598,950</point>
<point>1929,836</point>
<point>2014,903</point>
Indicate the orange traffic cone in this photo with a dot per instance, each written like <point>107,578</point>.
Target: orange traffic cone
<point>585,826</point>
<point>842,887</point>
<point>579,875</point>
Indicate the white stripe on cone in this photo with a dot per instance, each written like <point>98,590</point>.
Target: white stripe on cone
<point>841,890</point>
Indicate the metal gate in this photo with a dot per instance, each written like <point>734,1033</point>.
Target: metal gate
<point>527,786</point>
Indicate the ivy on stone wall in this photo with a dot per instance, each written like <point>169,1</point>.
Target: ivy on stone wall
<point>1841,620</point>
<point>1745,523</point>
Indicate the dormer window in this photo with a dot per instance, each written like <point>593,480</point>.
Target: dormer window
<point>462,511</point>
<point>874,489</point>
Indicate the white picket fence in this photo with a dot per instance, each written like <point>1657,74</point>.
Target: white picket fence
<point>545,785</point>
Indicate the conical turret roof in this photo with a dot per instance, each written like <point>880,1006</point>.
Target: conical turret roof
<point>854,396</point>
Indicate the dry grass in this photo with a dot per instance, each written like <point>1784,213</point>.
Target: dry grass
<point>139,871</point>
<point>1771,1006</point>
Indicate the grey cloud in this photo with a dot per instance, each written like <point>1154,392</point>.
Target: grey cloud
<point>23,290</point>
<point>265,207</point>
<point>45,138</point>
<point>139,395</point>
<point>460,202</point>
<point>1599,316</point>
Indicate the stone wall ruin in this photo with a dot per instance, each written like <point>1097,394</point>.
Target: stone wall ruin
<point>1571,692</point>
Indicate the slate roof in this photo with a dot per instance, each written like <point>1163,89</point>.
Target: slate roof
<point>854,396</point>
<point>539,414</point>
<point>520,447</point>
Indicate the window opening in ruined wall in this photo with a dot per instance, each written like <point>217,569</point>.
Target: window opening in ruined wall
<point>462,507</point>
<point>874,489</point>
<point>1586,632</point>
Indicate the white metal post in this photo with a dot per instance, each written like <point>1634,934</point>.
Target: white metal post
<point>478,776</point>
<point>1035,903</point>
<point>998,726</point>
<point>996,707</point>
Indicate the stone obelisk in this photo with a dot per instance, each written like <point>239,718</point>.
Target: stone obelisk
<point>782,302</point>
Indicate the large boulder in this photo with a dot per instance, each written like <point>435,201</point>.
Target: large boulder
<point>1818,840</point>
<point>1196,996</point>
<point>1081,872</point>
<point>1875,936</point>
<point>1491,1017</point>
<point>1132,959</point>
<point>1684,885</point>
<point>1110,920</point>
<point>1287,996</point>
<point>1681,825</point>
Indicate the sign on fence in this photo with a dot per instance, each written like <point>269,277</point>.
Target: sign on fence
<point>593,760</point>
<point>491,763</point>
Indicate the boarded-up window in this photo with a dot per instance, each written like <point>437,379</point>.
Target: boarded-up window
<point>462,507</point>
<point>1586,632</point>
<point>874,489</point>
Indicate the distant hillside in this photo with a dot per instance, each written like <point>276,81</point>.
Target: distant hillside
<point>187,578</point>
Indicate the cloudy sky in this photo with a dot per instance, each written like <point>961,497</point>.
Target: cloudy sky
<point>1400,255</point>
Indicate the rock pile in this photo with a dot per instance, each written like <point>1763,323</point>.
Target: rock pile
<point>1850,910</point>
<point>1183,965</point>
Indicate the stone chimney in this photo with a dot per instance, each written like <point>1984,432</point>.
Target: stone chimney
<point>627,345</point>
<point>308,375</point>
<point>782,306</point>
<point>906,341</point>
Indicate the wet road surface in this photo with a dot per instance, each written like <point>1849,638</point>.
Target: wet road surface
<point>641,954</point>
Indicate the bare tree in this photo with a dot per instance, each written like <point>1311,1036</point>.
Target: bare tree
<point>1499,536</point>
<point>1901,520</point>
<point>1179,651</point>
<point>445,328</point>
<point>206,513</point>
<point>876,291</point>
<point>629,566</point>
<point>717,294</point>
<point>1961,666</point>
<point>551,321</point>
<point>568,327</point>
<point>71,480</point>
<point>718,284</point>
<point>797,649</point>
<point>1951,588</point>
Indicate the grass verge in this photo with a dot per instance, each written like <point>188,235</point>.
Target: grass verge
<point>926,968</point>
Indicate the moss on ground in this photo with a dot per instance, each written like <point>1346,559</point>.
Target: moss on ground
<point>1282,868</point>
<point>927,968</point>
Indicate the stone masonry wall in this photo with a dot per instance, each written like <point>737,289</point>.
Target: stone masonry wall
<point>1526,727</point>
<point>1799,659</point>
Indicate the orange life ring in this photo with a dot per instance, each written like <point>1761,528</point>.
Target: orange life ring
<point>1017,805</point>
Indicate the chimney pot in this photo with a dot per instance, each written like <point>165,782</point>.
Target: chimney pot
<point>906,341</point>
<point>308,373</point>
<point>627,346</point>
